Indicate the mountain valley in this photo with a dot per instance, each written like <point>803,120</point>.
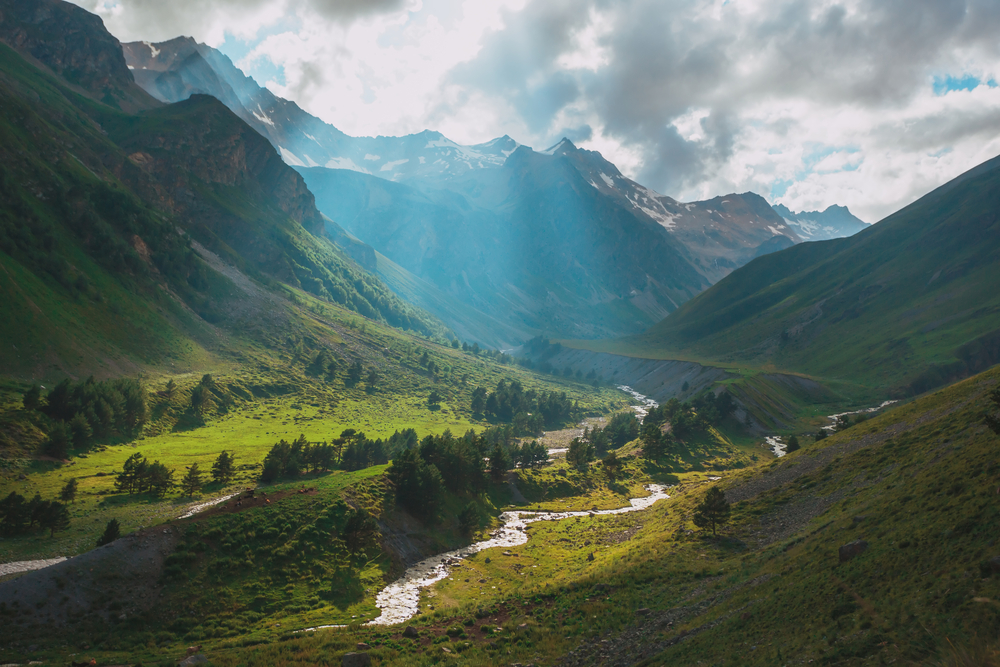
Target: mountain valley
<point>275,395</point>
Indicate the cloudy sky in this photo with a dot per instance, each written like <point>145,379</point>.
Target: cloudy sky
<point>866,103</point>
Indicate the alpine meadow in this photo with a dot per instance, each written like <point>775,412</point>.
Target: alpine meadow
<point>289,377</point>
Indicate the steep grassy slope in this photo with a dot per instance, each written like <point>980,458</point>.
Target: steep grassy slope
<point>102,211</point>
<point>903,306</point>
<point>916,484</point>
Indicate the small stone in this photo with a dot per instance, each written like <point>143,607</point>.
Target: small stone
<point>446,649</point>
<point>356,660</point>
<point>643,612</point>
<point>362,646</point>
<point>196,659</point>
<point>411,632</point>
<point>852,549</point>
<point>487,561</point>
<point>523,626</point>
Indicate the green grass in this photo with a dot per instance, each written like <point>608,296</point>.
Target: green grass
<point>926,492</point>
<point>904,306</point>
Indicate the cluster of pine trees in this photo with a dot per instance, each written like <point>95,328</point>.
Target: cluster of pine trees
<point>529,411</point>
<point>684,419</point>
<point>439,463</point>
<point>19,516</point>
<point>463,465</point>
<point>351,451</point>
<point>89,411</point>
<point>138,475</point>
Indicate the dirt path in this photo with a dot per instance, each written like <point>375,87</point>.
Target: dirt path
<point>27,565</point>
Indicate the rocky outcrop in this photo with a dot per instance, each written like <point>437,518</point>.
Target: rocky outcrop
<point>74,44</point>
<point>851,550</point>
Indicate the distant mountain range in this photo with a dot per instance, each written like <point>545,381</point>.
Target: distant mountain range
<point>133,232</point>
<point>556,242</point>
<point>904,306</point>
<point>833,223</point>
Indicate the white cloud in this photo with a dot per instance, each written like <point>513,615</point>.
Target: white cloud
<point>810,102</point>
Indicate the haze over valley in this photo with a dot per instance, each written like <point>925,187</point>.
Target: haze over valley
<point>510,332</point>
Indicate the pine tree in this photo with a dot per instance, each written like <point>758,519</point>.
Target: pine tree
<point>434,399</point>
<point>57,446</point>
<point>112,531</point>
<point>68,493</point>
<point>80,431</point>
<point>713,510</point>
<point>793,445</point>
<point>171,388</point>
<point>468,518</point>
<point>191,484</point>
<point>32,398</point>
<point>223,468</point>
<point>53,516</point>
<point>499,463</point>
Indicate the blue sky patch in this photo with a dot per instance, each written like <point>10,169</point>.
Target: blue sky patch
<point>945,84</point>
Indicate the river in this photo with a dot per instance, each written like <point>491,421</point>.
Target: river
<point>645,402</point>
<point>400,600</point>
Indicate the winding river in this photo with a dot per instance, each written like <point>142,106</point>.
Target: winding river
<point>400,600</point>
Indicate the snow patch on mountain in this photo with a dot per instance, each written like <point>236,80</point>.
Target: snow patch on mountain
<point>389,166</point>
<point>290,158</point>
<point>262,117</point>
<point>343,163</point>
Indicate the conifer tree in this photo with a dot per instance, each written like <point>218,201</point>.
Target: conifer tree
<point>793,444</point>
<point>223,468</point>
<point>32,398</point>
<point>191,483</point>
<point>713,510</point>
<point>68,493</point>
<point>112,531</point>
<point>53,516</point>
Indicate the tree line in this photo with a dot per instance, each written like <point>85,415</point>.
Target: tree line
<point>89,411</point>
<point>529,411</point>
<point>138,475</point>
<point>353,450</point>
<point>675,421</point>
<point>19,516</point>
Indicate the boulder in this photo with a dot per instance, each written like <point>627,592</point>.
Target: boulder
<point>196,659</point>
<point>852,549</point>
<point>356,660</point>
<point>487,561</point>
<point>411,632</point>
<point>362,646</point>
<point>590,556</point>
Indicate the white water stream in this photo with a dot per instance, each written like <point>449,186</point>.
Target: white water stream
<point>400,600</point>
<point>833,418</point>
<point>645,402</point>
